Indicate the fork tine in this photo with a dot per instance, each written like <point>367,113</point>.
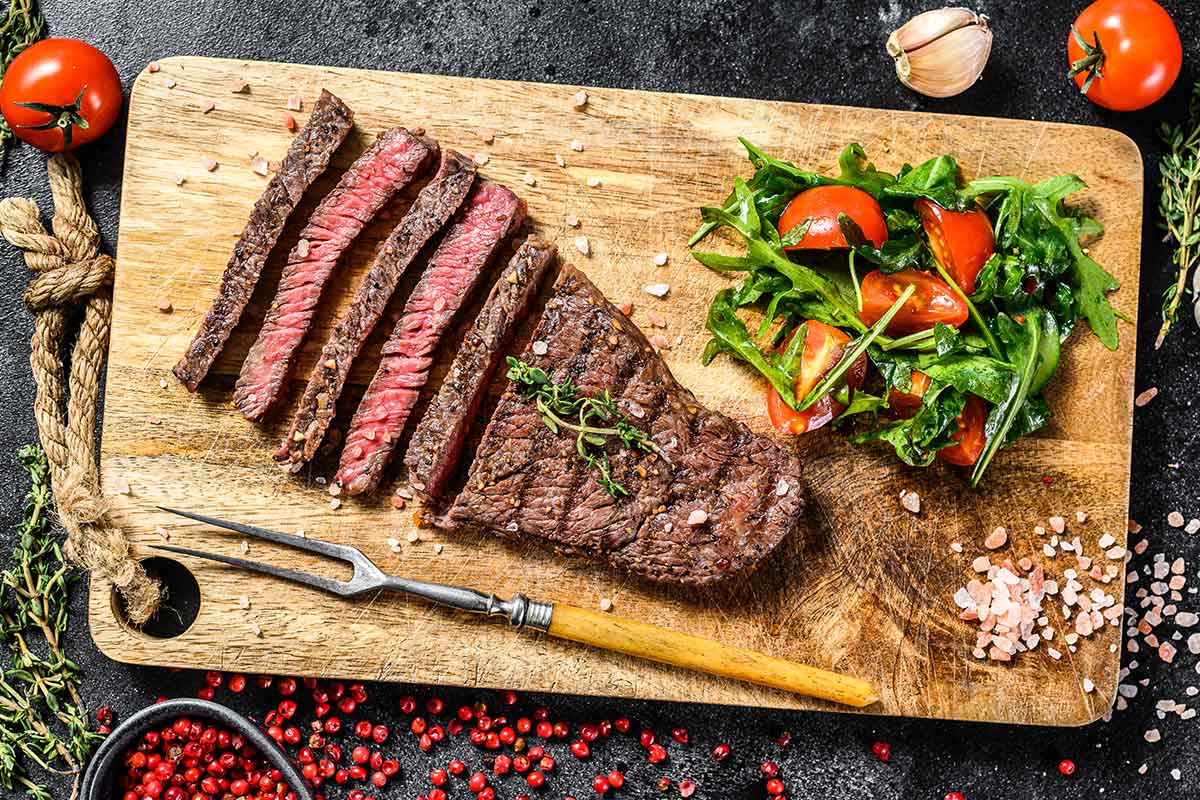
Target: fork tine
<point>339,551</point>
<point>316,581</point>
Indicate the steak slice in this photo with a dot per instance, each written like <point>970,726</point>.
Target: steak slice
<point>489,215</point>
<point>721,499</point>
<point>306,158</point>
<point>386,167</point>
<point>439,437</point>
<point>436,203</point>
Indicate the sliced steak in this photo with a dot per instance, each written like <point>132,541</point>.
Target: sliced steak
<point>306,158</point>
<point>438,440</point>
<point>721,499</point>
<point>489,215</point>
<point>387,166</point>
<point>436,203</point>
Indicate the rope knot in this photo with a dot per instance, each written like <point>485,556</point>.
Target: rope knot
<point>69,284</point>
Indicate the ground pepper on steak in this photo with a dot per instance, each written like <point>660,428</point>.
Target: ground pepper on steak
<point>722,499</point>
<point>488,216</point>
<point>391,163</point>
<point>306,158</point>
<point>435,204</point>
<point>438,440</point>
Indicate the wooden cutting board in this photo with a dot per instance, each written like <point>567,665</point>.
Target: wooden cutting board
<point>870,590</point>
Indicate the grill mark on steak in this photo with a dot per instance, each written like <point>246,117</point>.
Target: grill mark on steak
<point>306,158</point>
<point>435,204</point>
<point>438,440</point>
<point>489,215</point>
<point>385,168</point>
<point>715,464</point>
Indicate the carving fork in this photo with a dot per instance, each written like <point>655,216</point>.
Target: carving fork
<point>566,622</point>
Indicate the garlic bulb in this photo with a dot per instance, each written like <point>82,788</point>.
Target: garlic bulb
<point>941,53</point>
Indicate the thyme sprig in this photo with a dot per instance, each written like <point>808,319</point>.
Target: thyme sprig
<point>594,420</point>
<point>1179,205</point>
<point>42,718</point>
<point>23,25</point>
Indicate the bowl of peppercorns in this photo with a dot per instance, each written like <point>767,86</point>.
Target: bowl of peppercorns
<point>187,749</point>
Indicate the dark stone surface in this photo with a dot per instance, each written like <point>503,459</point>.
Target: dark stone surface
<point>830,52</point>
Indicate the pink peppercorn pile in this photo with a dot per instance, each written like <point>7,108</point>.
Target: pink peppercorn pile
<point>192,760</point>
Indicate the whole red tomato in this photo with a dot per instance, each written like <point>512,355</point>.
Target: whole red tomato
<point>60,93</point>
<point>1124,54</point>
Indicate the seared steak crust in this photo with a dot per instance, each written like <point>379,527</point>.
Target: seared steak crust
<point>306,158</point>
<point>723,498</point>
<point>488,216</point>
<point>436,443</point>
<point>386,167</point>
<point>436,203</point>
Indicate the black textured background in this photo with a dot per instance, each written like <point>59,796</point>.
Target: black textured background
<point>829,52</point>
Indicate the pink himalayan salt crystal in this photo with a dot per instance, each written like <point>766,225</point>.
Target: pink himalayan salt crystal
<point>996,539</point>
<point>1057,524</point>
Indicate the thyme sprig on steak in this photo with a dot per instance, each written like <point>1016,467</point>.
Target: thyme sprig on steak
<point>597,419</point>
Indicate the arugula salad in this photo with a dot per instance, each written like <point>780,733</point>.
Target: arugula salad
<point>909,309</point>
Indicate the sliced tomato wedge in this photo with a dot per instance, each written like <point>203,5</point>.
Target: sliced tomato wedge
<point>962,241</point>
<point>823,204</point>
<point>906,404</point>
<point>933,301</point>
<point>969,438</point>
<point>823,349</point>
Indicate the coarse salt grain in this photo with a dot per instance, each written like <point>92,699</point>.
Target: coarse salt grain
<point>593,181</point>
<point>1175,519</point>
<point>572,221</point>
<point>207,107</point>
<point>1088,686</point>
<point>413,537</point>
<point>1057,524</point>
<point>295,102</point>
<point>981,564</point>
<point>529,180</point>
<point>170,83</point>
<point>576,145</point>
<point>1081,516</point>
<point>698,517</point>
<point>164,306</point>
<point>209,164</point>
<point>243,602</point>
<point>239,87</point>
<point>1152,735</point>
<point>1106,541</point>
<point>605,604</point>
<point>996,539</point>
<point>558,159</point>
<point>956,547</point>
<point>482,158</point>
<point>1192,526</point>
<point>180,178</point>
<point>540,348</point>
<point>334,503</point>
<point>657,289</point>
<point>579,100</point>
<point>438,548</point>
<point>582,245</point>
<point>782,487</point>
<point>660,342</point>
<point>260,165</point>
<point>289,122</point>
<point>152,67</point>
<point>256,630</point>
<point>1146,396</point>
<point>910,501</point>
<point>660,259</point>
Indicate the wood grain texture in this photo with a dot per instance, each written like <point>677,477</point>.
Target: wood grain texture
<point>870,592</point>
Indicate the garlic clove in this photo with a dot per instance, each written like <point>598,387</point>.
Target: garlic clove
<point>941,53</point>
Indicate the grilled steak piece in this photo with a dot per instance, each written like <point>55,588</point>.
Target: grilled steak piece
<point>436,203</point>
<point>386,167</point>
<point>488,216</point>
<point>721,499</point>
<point>439,437</point>
<point>306,158</point>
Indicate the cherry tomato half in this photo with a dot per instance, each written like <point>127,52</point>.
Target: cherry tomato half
<point>906,404</point>
<point>970,438</point>
<point>822,204</point>
<point>823,348</point>
<point>60,93</point>
<point>932,302</point>
<point>1138,58</point>
<point>962,241</point>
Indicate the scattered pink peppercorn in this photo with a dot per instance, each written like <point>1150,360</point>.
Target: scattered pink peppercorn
<point>954,796</point>
<point>600,784</point>
<point>769,769</point>
<point>720,751</point>
<point>687,788</point>
<point>535,779</point>
<point>882,750</point>
<point>656,753</point>
<point>1066,766</point>
<point>774,786</point>
<point>580,749</point>
<point>621,724</point>
<point>680,735</point>
<point>477,782</point>
<point>434,705</point>
<point>616,778</point>
<point>408,704</point>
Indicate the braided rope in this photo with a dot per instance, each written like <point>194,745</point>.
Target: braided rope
<point>68,268</point>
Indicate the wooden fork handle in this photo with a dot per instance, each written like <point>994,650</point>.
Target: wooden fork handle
<point>705,655</point>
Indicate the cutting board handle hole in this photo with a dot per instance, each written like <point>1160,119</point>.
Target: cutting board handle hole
<point>178,610</point>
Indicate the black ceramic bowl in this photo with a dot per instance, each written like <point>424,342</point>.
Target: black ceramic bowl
<point>99,780</point>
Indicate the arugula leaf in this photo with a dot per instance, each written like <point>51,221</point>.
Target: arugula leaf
<point>1023,341</point>
<point>897,253</point>
<point>730,335</point>
<point>936,179</point>
<point>917,440</point>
